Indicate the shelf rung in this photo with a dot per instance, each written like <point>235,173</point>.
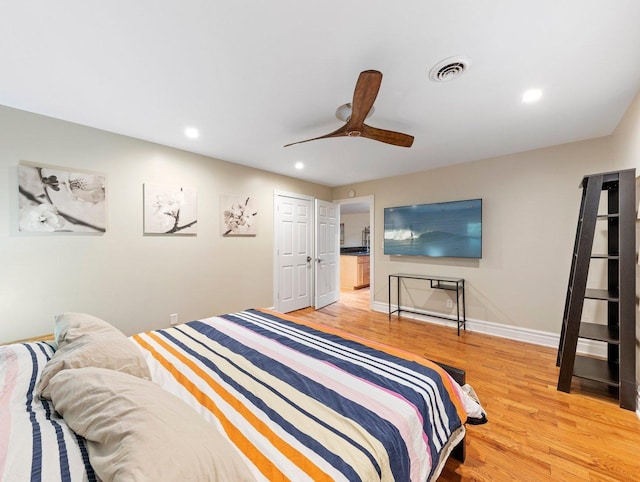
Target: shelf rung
<point>596,369</point>
<point>595,294</point>
<point>598,332</point>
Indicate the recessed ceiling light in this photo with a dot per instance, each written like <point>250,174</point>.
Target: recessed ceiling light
<point>531,95</point>
<point>299,165</point>
<point>191,132</point>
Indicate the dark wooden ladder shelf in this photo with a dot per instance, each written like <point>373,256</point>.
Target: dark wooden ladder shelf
<point>617,332</point>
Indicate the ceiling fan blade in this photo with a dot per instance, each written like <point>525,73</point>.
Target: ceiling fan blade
<point>364,96</point>
<point>388,137</point>
<point>337,133</point>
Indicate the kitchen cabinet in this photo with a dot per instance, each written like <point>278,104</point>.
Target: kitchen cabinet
<point>354,271</point>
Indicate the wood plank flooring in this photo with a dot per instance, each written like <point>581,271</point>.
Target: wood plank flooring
<point>535,433</point>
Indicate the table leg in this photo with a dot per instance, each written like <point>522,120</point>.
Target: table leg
<point>464,309</point>
<point>398,288</point>
<point>458,306</point>
<point>389,298</point>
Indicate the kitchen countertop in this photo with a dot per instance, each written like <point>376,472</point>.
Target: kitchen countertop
<point>355,251</point>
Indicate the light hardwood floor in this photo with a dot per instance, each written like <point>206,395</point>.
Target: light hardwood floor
<point>535,433</point>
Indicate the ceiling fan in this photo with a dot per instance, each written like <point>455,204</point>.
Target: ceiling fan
<point>364,96</point>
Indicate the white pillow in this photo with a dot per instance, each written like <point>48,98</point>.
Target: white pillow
<point>86,341</point>
<point>138,432</point>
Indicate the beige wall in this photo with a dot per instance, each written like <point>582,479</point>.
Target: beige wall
<point>530,208</point>
<point>354,224</point>
<point>531,203</point>
<point>134,281</point>
<point>626,144</point>
<point>626,138</point>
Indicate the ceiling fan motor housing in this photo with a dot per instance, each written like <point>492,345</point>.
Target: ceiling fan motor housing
<point>343,112</point>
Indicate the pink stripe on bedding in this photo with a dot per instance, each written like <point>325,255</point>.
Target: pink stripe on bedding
<point>350,387</point>
<point>349,408</point>
<point>9,362</point>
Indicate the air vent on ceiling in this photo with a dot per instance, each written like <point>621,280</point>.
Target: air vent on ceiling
<point>448,69</point>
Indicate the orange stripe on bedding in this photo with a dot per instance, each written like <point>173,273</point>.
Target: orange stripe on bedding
<point>406,355</point>
<point>268,468</point>
<point>263,464</point>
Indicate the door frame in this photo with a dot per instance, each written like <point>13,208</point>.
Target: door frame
<point>370,199</point>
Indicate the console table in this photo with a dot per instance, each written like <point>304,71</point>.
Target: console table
<point>437,283</point>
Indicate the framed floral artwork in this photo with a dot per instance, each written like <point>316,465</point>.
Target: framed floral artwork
<point>169,209</point>
<point>239,216</point>
<point>60,199</point>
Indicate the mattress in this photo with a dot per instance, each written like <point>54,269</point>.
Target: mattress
<point>297,401</point>
<point>305,402</point>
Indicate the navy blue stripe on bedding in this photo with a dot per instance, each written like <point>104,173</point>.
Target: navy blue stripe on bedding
<point>373,365</point>
<point>91,475</point>
<point>46,350</point>
<point>62,446</point>
<point>377,367</point>
<point>41,356</point>
<point>65,474</point>
<point>276,369</point>
<point>327,347</point>
<point>36,461</point>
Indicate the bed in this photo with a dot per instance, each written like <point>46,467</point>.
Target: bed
<point>275,399</point>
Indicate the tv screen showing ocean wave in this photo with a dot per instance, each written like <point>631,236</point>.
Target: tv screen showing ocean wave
<point>448,229</point>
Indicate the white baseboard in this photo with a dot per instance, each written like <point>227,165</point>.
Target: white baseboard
<point>536,337</point>
<point>528,335</point>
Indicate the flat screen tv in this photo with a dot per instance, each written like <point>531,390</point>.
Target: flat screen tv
<point>447,229</point>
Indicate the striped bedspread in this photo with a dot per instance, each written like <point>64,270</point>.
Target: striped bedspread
<point>305,402</point>
<point>35,443</point>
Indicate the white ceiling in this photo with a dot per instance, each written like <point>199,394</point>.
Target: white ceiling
<point>253,75</point>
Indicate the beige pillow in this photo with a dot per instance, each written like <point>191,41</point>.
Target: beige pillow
<point>136,431</point>
<point>87,341</point>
